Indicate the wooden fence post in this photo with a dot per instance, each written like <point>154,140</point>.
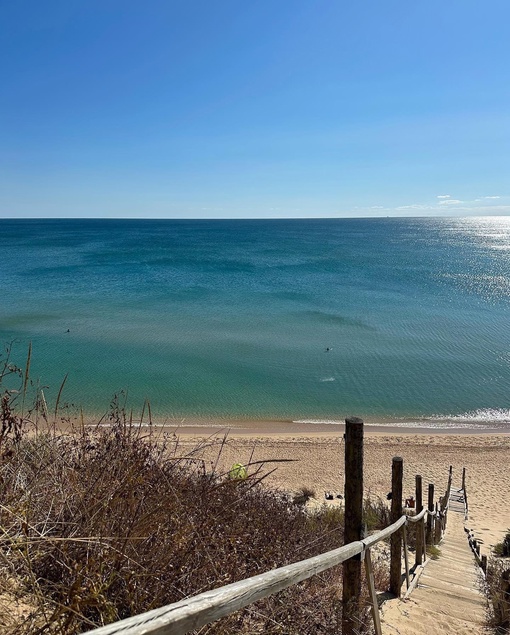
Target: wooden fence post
<point>353,506</point>
<point>463,478</point>
<point>466,504</point>
<point>431,511</point>
<point>419,532</point>
<point>397,473</point>
<point>448,489</point>
<point>446,498</point>
<point>438,525</point>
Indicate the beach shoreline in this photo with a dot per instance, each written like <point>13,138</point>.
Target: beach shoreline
<point>273,426</point>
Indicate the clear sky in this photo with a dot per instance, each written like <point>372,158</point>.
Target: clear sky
<point>254,108</point>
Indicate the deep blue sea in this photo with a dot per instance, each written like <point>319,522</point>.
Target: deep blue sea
<point>394,320</point>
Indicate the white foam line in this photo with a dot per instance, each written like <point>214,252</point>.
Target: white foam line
<point>426,424</point>
<point>319,422</point>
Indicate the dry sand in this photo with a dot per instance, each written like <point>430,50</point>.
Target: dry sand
<point>317,462</point>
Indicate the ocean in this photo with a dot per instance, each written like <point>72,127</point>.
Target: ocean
<point>401,321</point>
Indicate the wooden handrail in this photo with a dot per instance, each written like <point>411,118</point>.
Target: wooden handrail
<point>192,613</point>
<point>418,517</point>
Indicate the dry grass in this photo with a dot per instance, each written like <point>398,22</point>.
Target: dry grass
<point>497,590</point>
<point>101,525</point>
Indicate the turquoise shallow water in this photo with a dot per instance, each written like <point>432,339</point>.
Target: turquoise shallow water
<point>232,319</point>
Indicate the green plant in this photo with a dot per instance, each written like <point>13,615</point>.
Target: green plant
<point>433,552</point>
<point>497,590</point>
<point>303,495</point>
<point>376,514</point>
<point>502,549</point>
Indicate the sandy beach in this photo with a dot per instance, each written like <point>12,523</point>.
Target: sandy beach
<point>318,456</point>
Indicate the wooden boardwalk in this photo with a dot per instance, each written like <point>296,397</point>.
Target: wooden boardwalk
<point>447,598</point>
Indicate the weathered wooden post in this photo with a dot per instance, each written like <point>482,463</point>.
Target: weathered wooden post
<point>353,529</point>
<point>438,525</point>
<point>397,473</point>
<point>431,511</point>
<point>463,479</point>
<point>419,532</point>
<point>447,497</point>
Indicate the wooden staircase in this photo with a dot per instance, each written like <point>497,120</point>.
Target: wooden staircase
<point>447,598</point>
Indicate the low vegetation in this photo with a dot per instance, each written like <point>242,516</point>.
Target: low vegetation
<point>107,523</point>
<point>497,589</point>
<point>502,549</point>
<point>497,586</point>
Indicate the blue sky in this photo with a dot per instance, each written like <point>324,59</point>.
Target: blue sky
<point>254,108</point>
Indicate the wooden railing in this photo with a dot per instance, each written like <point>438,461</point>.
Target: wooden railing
<point>192,613</point>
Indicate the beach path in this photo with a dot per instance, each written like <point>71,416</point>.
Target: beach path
<point>447,598</point>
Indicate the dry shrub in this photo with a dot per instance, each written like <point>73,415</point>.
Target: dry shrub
<point>103,526</point>
<point>107,524</point>
<point>502,549</point>
<point>376,514</point>
<point>303,495</point>
<point>497,590</point>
